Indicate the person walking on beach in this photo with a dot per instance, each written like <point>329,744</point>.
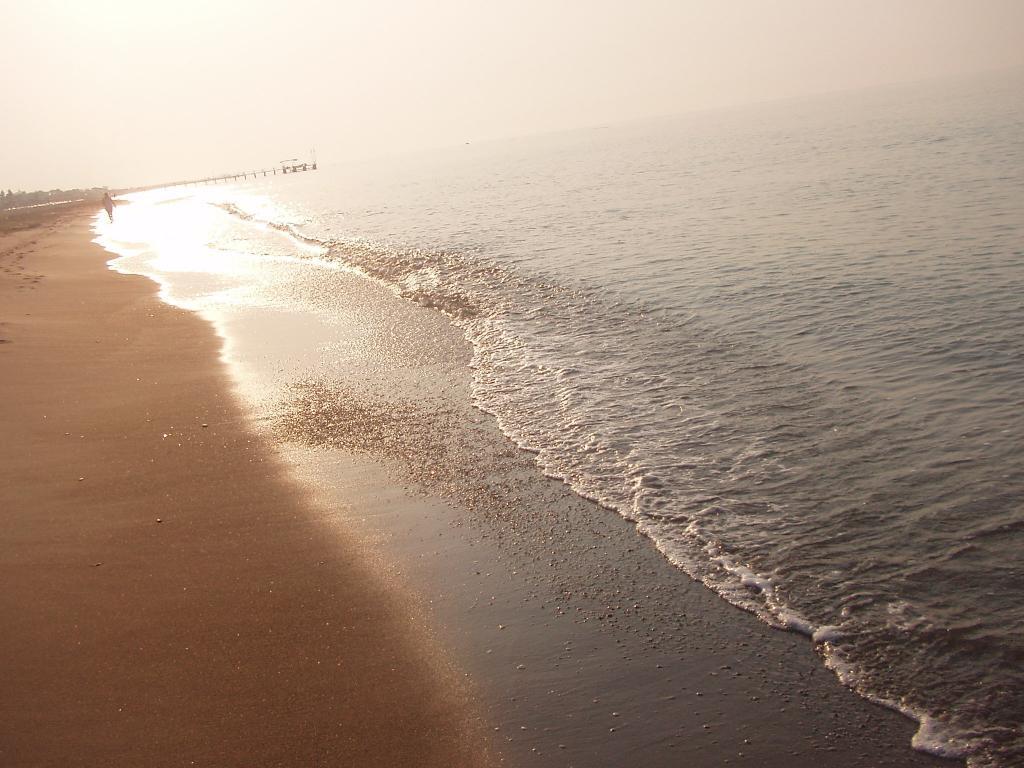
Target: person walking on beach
<point>108,206</point>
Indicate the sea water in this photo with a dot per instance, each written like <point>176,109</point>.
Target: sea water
<point>787,340</point>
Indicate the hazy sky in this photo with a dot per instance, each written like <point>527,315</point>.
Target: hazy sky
<point>112,92</point>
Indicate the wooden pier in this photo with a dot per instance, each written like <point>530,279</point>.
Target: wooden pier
<point>296,168</point>
<point>287,166</point>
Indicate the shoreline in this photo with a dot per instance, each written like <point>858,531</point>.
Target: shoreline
<point>561,611</point>
<point>566,667</point>
<point>572,672</point>
<point>170,595</point>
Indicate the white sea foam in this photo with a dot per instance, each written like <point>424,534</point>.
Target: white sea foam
<point>826,633</point>
<point>936,738</point>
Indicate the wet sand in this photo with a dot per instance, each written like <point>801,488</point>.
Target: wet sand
<point>607,655</point>
<point>170,596</point>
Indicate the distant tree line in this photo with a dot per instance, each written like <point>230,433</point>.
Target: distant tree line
<point>20,199</point>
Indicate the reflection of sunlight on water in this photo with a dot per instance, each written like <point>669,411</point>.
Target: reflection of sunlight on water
<point>164,233</point>
<point>261,289</point>
<point>174,231</point>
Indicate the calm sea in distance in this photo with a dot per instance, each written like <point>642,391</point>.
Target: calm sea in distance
<point>787,340</point>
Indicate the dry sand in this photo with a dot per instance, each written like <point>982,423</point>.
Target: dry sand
<point>169,596</point>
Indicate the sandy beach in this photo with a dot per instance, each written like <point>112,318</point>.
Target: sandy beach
<point>562,385</point>
<point>178,592</point>
<point>169,596</point>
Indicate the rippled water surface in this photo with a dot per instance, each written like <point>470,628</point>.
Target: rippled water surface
<point>786,340</point>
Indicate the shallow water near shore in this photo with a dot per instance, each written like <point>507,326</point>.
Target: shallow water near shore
<point>786,341</point>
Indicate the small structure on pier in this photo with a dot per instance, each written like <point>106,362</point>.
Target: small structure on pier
<point>294,166</point>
